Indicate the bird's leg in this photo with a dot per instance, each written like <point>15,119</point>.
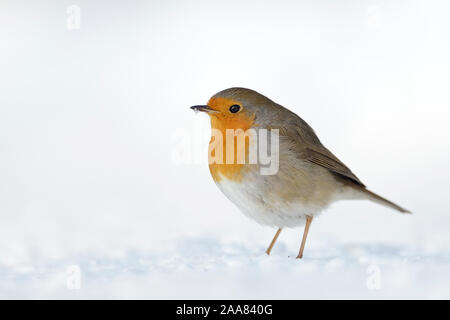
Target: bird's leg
<point>269,249</point>
<point>305,234</point>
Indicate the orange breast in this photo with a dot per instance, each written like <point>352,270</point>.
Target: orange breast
<point>222,122</point>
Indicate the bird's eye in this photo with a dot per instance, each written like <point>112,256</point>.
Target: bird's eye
<point>235,108</point>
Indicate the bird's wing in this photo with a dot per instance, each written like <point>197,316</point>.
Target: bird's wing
<point>309,147</point>
<point>323,157</point>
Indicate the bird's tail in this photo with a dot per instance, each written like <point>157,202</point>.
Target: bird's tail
<point>378,199</point>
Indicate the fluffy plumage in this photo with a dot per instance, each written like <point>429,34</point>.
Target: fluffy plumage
<point>309,179</point>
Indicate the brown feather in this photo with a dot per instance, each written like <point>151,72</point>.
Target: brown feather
<point>310,148</point>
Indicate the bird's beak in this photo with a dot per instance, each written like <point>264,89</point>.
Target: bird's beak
<point>203,108</point>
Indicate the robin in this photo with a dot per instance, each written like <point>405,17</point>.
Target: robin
<point>309,177</point>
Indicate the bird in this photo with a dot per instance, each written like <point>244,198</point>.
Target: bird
<point>309,178</point>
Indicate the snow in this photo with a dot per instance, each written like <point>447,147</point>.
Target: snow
<point>207,269</point>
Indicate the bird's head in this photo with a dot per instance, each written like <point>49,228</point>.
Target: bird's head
<point>237,108</point>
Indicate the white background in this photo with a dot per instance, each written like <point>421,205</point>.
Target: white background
<point>93,122</point>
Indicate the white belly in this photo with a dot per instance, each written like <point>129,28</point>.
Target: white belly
<point>252,198</point>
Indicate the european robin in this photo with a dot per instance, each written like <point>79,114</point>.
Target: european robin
<point>309,177</point>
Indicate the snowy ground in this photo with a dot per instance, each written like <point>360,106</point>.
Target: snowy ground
<point>207,269</point>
